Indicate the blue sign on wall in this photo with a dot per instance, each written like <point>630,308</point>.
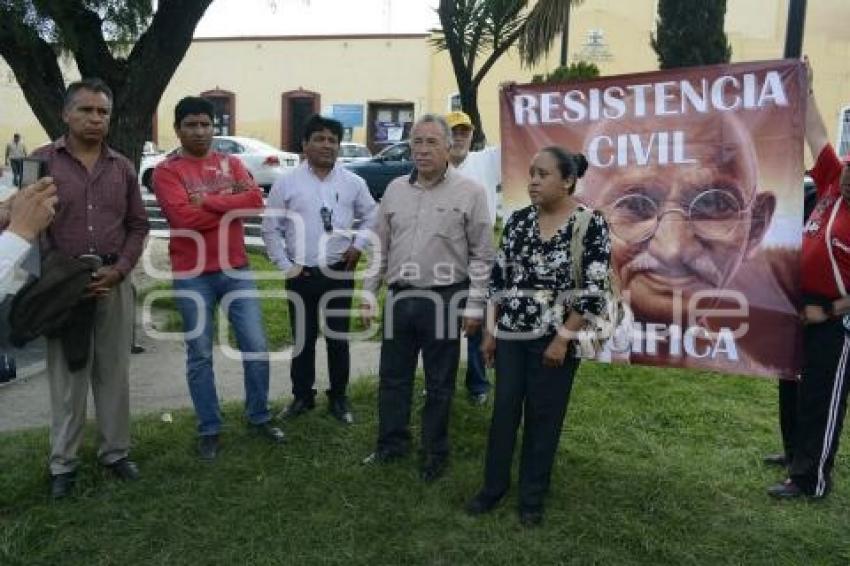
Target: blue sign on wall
<point>351,115</point>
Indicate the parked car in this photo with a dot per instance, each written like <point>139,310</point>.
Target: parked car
<point>264,162</point>
<point>393,161</point>
<point>350,152</point>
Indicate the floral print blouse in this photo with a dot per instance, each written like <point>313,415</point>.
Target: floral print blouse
<point>532,280</point>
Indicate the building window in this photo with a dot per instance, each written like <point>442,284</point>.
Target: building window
<point>453,103</point>
<point>844,132</point>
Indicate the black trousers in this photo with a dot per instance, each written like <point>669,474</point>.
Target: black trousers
<point>527,390</point>
<point>311,288</point>
<point>414,323</point>
<point>788,415</point>
<point>821,404</point>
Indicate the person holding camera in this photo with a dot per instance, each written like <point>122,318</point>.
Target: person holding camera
<point>27,214</point>
<point>309,234</point>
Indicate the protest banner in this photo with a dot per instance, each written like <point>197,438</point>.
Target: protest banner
<point>699,172</point>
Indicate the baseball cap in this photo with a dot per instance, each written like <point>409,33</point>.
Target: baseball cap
<point>458,118</point>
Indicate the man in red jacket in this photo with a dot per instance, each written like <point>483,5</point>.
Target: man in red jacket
<point>815,408</point>
<point>203,194</point>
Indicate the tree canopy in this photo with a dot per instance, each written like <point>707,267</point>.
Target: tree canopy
<point>132,47</point>
<point>691,33</point>
<point>487,29</point>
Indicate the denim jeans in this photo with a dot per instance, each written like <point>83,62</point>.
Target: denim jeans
<point>476,372</point>
<point>244,315</point>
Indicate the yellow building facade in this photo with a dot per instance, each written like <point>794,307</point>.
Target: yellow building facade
<point>263,87</point>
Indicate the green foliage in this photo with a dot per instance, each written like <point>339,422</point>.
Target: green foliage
<point>654,467</point>
<point>486,26</point>
<point>476,33</point>
<point>690,33</point>
<point>121,21</point>
<point>578,71</point>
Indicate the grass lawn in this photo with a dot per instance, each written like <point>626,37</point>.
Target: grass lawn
<point>655,467</point>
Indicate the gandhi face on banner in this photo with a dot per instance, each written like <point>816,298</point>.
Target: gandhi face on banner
<point>683,221</point>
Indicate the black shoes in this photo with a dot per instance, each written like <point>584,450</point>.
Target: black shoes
<point>208,447</point>
<point>338,409</point>
<point>125,469</point>
<point>777,459</point>
<point>530,517</point>
<point>208,444</point>
<point>61,485</point>
<point>269,432</point>
<point>432,468</point>
<point>482,503</point>
<point>786,490</point>
<point>297,408</point>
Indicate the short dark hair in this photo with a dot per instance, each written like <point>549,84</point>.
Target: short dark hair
<point>192,105</point>
<point>316,123</point>
<point>92,84</point>
<point>569,164</point>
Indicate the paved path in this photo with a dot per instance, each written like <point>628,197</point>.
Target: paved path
<point>158,383</point>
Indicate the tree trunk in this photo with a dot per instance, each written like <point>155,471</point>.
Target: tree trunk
<point>127,132</point>
<point>33,61</point>
<point>565,38</point>
<point>469,103</point>
<point>137,82</point>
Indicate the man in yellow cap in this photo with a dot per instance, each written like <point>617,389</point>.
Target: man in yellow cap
<point>484,167</point>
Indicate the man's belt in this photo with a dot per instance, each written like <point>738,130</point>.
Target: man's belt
<point>405,286</point>
<point>106,259</point>
<point>317,270</point>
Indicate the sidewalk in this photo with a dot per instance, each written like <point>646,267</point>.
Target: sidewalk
<point>158,382</point>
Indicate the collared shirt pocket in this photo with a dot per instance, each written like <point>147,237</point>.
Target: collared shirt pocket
<point>449,222</point>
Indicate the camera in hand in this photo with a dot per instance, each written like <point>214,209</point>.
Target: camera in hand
<point>327,218</point>
<point>31,171</point>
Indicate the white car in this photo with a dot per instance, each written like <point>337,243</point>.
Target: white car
<point>350,151</point>
<point>264,162</point>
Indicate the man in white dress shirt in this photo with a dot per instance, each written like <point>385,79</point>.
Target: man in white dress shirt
<point>308,231</point>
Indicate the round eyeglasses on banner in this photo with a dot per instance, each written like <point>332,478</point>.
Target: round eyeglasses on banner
<point>713,214</point>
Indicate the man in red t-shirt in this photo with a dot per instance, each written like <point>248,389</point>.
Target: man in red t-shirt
<point>813,429</point>
<point>203,194</point>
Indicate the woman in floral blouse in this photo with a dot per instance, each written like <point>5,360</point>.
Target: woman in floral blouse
<point>537,310</point>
